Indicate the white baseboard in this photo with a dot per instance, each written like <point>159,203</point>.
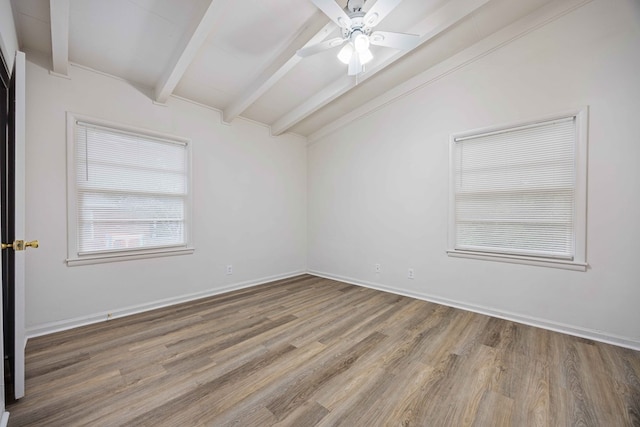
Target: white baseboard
<point>527,320</point>
<point>4,420</point>
<point>63,325</point>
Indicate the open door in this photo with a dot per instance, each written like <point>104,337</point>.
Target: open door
<point>12,206</point>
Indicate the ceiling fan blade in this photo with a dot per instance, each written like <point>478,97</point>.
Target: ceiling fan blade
<point>319,47</point>
<point>334,11</point>
<point>394,40</point>
<point>379,11</point>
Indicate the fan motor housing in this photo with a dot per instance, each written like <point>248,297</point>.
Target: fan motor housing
<point>357,24</point>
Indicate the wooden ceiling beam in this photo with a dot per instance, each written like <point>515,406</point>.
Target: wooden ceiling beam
<point>59,14</point>
<point>191,45</point>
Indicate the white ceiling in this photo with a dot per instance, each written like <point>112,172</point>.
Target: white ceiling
<point>239,57</point>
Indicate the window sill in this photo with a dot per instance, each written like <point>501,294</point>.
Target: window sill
<point>127,256</point>
<point>515,259</point>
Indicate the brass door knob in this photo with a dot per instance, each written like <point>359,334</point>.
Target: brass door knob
<point>20,245</point>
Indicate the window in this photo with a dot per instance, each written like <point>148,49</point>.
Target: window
<point>518,193</point>
<point>128,192</point>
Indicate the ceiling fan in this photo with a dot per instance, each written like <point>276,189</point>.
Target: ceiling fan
<point>357,32</point>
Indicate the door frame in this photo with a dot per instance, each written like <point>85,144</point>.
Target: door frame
<point>4,82</point>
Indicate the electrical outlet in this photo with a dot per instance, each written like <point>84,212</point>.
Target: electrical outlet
<point>229,269</point>
<point>378,268</point>
<point>410,274</point>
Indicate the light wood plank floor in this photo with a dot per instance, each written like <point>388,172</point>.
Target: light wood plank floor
<point>309,351</point>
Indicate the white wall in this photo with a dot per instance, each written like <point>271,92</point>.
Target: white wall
<point>249,192</point>
<point>8,36</point>
<point>378,188</point>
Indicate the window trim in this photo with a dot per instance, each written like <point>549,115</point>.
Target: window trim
<point>74,257</point>
<point>579,262</point>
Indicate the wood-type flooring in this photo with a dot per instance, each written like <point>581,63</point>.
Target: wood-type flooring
<point>308,351</point>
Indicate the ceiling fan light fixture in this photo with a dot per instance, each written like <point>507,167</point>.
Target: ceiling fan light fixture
<point>356,29</point>
<point>361,43</point>
<point>365,56</point>
<point>345,54</point>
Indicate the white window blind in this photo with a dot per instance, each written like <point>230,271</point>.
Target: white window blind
<point>131,190</point>
<point>515,190</point>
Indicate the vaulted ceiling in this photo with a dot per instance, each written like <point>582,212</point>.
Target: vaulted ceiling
<point>240,57</point>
